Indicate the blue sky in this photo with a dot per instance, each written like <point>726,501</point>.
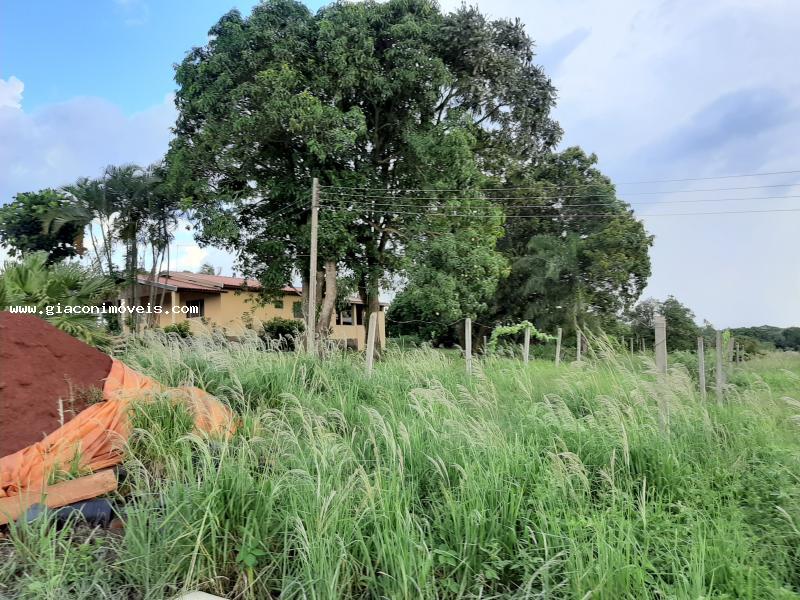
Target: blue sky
<point>658,89</point>
<point>119,50</point>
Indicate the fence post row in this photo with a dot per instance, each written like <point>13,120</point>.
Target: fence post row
<point>373,325</point>
<point>701,366</point>
<point>660,326</point>
<point>558,347</point>
<point>468,344</point>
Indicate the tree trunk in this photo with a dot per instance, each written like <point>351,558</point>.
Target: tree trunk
<point>328,300</point>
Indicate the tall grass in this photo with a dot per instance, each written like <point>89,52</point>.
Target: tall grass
<point>601,480</point>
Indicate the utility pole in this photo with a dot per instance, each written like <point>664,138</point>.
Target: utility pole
<point>311,320</point>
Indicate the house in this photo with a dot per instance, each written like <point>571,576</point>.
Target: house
<point>230,302</point>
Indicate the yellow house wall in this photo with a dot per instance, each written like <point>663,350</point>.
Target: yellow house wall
<point>227,310</point>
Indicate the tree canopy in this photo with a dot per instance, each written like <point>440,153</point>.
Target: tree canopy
<point>377,99</point>
<point>682,331</point>
<point>24,226</point>
<point>578,255</point>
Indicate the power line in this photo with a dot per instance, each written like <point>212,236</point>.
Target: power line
<point>640,182</point>
<point>364,203</point>
<point>590,215</point>
<point>394,196</point>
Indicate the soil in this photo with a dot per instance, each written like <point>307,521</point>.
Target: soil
<point>38,365</point>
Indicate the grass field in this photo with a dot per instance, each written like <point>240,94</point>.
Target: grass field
<point>592,481</point>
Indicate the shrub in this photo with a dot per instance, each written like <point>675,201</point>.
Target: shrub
<point>182,329</point>
<point>278,327</point>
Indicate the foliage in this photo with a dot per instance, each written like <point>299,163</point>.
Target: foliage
<point>383,97</point>
<point>515,329</point>
<point>209,269</point>
<point>682,331</point>
<point>182,329</point>
<point>23,226</point>
<point>787,338</point>
<point>32,282</point>
<point>578,255</point>
<point>280,328</point>
<point>452,272</point>
<point>418,482</point>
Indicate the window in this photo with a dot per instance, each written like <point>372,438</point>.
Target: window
<point>297,310</point>
<point>199,310</point>
<point>278,304</point>
<point>346,317</point>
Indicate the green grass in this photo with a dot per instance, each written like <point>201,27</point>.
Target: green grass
<point>600,480</point>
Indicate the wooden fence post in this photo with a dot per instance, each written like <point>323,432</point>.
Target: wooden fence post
<point>578,347</point>
<point>373,325</point>
<point>719,372</point>
<point>468,344</point>
<point>526,346</point>
<point>660,346</point>
<point>631,345</point>
<point>558,347</point>
<point>701,366</point>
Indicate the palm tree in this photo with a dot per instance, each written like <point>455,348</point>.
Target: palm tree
<point>128,204</point>
<point>32,282</point>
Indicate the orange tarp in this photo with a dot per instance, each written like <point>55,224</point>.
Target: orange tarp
<point>96,437</point>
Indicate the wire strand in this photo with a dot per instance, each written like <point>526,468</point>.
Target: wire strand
<point>516,206</point>
<point>507,197</point>
<point>594,215</point>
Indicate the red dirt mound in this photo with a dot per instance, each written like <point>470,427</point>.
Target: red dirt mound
<point>38,365</point>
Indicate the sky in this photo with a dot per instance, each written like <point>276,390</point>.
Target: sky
<point>658,90</point>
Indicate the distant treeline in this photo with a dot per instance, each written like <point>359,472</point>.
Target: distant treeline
<point>787,338</point>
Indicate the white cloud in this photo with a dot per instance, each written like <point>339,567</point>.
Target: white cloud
<point>58,143</point>
<point>688,89</point>
<point>11,93</point>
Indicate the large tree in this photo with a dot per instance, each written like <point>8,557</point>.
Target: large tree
<point>381,100</point>
<point>578,255</point>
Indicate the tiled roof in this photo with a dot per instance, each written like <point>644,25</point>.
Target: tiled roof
<point>181,280</point>
<point>210,283</point>
<point>178,285</point>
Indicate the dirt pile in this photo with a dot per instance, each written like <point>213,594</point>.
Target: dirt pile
<point>38,365</point>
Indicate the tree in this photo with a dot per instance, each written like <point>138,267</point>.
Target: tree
<point>23,226</point>
<point>452,273</point>
<point>578,255</point>
<point>682,331</point>
<point>376,98</point>
<point>89,207</point>
<point>129,204</point>
<point>60,286</point>
<point>209,269</point>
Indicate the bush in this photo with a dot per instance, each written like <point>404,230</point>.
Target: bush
<point>280,328</point>
<point>183,329</point>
